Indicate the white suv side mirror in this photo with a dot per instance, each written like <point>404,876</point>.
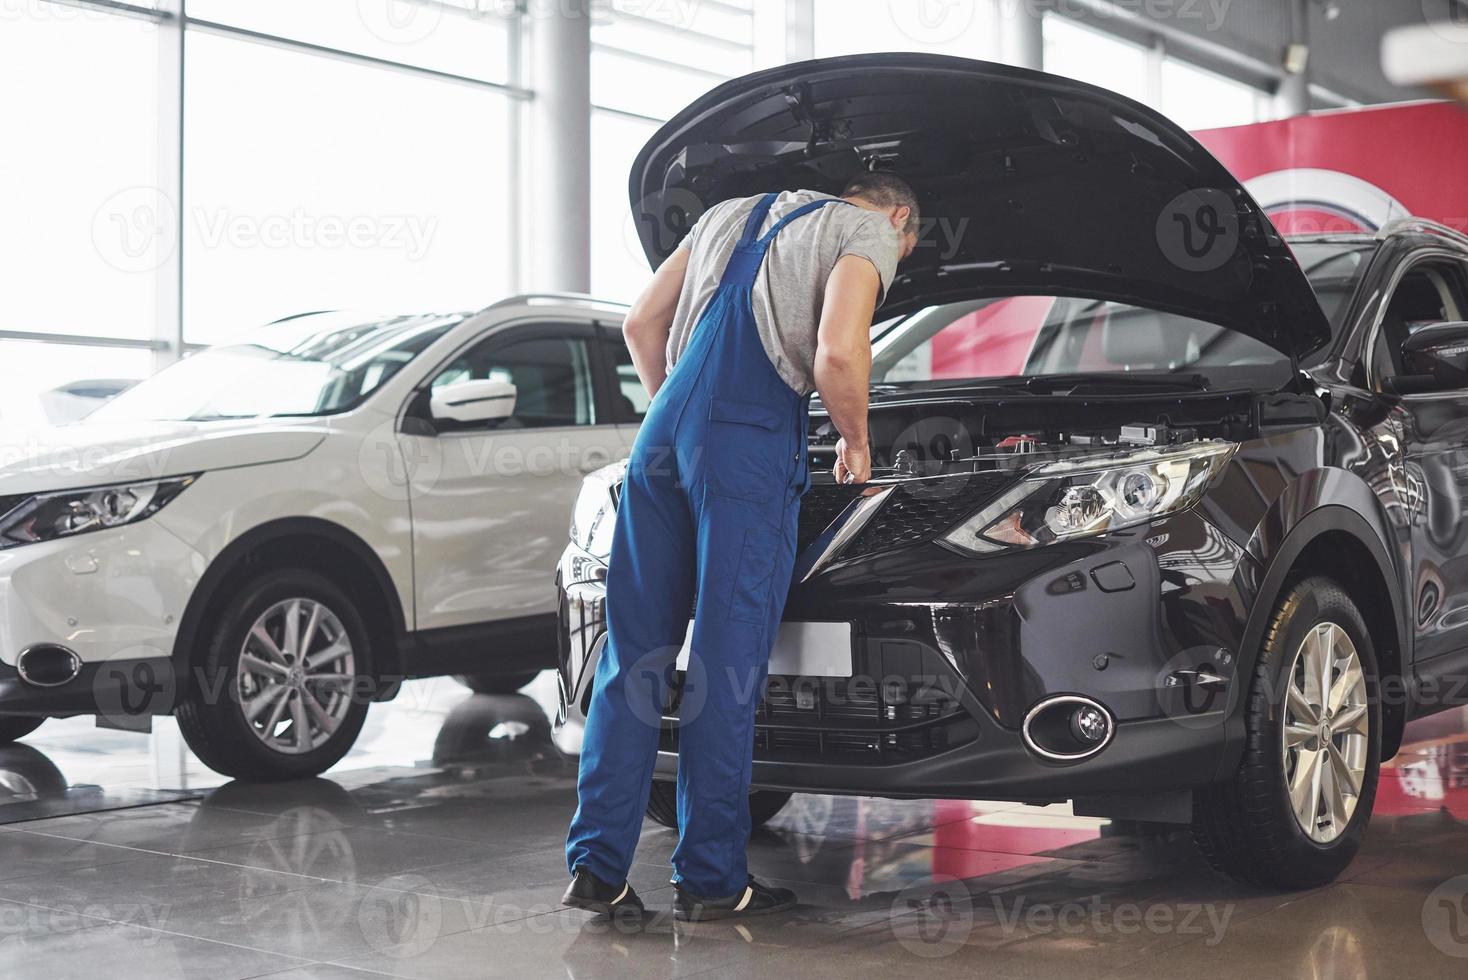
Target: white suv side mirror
<point>473,401</point>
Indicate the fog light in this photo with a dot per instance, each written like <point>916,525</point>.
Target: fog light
<point>1088,724</point>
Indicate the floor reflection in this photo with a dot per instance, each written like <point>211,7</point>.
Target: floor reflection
<point>434,850</point>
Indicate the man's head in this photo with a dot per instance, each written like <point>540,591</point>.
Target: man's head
<point>889,194</point>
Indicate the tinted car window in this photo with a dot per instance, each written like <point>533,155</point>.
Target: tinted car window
<point>552,377</point>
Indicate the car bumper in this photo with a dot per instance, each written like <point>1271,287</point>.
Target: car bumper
<point>950,654</point>
<point>113,598</point>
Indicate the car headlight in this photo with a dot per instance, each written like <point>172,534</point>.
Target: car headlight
<point>595,514</point>
<point>47,516</point>
<point>1085,497</point>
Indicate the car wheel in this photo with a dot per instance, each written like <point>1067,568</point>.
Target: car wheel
<point>662,805</point>
<point>278,694</point>
<point>13,727</point>
<point>1294,814</point>
<point>496,683</point>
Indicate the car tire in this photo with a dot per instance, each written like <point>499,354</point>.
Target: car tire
<point>233,717</point>
<point>15,727</point>
<point>662,804</point>
<point>1252,827</point>
<point>496,683</point>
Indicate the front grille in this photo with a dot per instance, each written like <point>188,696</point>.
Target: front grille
<point>913,512</point>
<point>818,508</point>
<point>923,509</point>
<point>851,720</point>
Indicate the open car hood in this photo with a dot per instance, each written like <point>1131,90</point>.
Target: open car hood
<point>1028,182</point>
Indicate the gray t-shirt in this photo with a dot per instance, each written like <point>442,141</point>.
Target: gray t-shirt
<point>792,281</point>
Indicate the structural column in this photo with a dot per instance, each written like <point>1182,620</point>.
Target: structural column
<point>1293,98</point>
<point>1021,33</point>
<point>558,212</point>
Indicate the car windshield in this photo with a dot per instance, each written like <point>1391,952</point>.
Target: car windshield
<point>311,365</point>
<point>1034,336</point>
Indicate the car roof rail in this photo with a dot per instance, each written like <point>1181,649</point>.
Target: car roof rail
<point>1423,226</point>
<point>579,299</point>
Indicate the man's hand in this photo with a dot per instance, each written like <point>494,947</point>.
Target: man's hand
<point>853,463</point>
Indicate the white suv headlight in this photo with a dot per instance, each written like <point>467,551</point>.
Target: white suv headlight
<point>595,515</point>
<point>47,516</point>
<point>1084,497</point>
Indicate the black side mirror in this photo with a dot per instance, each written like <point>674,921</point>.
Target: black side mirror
<point>1435,358</point>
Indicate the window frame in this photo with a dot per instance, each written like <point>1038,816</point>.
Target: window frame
<point>417,418</point>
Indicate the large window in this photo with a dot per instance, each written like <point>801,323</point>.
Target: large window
<point>1198,99</point>
<point>1091,56</point>
<point>329,185</point>
<point>335,154</point>
<point>647,62</point>
<point>966,29</point>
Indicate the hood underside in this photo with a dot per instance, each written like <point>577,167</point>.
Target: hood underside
<point>1028,183</point>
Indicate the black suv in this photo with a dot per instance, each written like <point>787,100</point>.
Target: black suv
<point>1166,518</point>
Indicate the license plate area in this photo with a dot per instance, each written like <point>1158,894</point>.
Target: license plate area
<point>801,650</point>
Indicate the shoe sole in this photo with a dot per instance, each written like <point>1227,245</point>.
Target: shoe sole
<point>698,914</point>
<point>601,908</point>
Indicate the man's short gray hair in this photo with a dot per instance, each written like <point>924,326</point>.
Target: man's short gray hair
<point>887,190</point>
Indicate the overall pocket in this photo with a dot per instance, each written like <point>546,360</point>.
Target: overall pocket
<point>749,601</point>
<point>747,453</point>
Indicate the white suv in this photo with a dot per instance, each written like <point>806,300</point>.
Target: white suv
<point>268,535</point>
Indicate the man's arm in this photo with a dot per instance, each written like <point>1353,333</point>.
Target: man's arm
<point>844,361</point>
<point>651,320</point>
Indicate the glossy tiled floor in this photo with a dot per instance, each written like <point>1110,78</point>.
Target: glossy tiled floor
<point>434,851</point>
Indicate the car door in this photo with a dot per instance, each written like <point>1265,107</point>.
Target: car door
<point>492,501</point>
<point>1434,427</point>
<point>627,396</point>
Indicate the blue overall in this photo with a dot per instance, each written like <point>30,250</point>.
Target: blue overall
<point>708,510</point>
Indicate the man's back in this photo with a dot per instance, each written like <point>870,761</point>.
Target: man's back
<point>788,291</point>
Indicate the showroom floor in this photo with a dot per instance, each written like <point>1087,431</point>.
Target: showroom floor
<point>434,851</point>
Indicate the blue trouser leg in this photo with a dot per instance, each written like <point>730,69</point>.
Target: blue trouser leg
<point>746,550</point>
<point>713,487</point>
<point>649,591</point>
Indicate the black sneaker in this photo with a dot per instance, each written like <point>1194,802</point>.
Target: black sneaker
<point>589,892</point>
<point>755,899</point>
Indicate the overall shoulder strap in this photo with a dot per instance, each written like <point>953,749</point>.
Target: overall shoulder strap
<point>756,219</point>
<point>799,212</point>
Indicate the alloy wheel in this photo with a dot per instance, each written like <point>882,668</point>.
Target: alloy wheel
<point>1326,730</point>
<point>296,673</point>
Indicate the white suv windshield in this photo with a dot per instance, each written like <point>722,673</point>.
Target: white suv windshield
<point>312,365</point>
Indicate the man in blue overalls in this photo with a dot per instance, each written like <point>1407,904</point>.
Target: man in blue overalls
<point>768,299</point>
